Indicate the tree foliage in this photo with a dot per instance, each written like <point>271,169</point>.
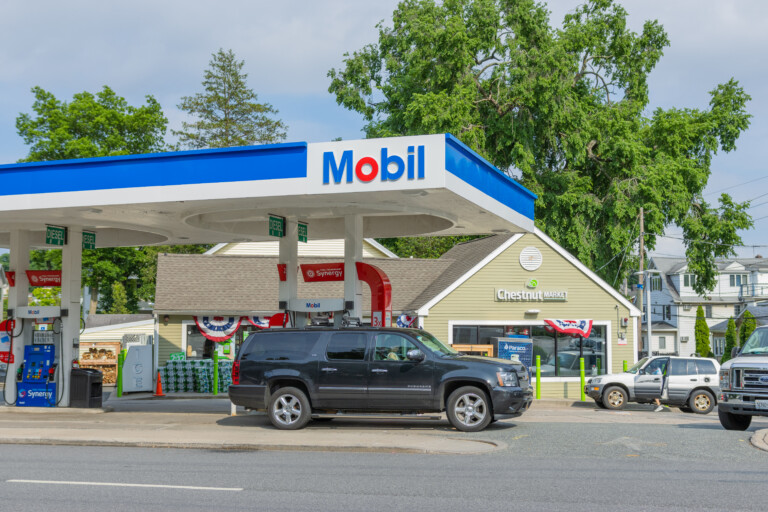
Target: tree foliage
<point>119,300</point>
<point>730,340</point>
<point>701,331</point>
<point>228,112</point>
<point>566,108</point>
<point>422,247</point>
<point>748,324</point>
<point>89,126</point>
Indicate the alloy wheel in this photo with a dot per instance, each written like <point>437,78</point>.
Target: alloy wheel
<point>470,409</point>
<point>287,410</point>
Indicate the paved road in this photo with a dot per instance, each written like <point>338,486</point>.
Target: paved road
<point>569,460</point>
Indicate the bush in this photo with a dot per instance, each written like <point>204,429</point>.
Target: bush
<point>730,340</point>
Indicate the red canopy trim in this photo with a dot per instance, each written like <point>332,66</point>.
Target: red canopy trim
<point>577,327</point>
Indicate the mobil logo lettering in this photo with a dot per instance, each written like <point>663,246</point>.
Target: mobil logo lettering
<point>385,166</point>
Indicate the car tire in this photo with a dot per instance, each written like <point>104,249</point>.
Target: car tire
<point>701,401</point>
<point>469,409</point>
<point>615,398</point>
<point>289,409</point>
<point>731,421</point>
<point>599,403</point>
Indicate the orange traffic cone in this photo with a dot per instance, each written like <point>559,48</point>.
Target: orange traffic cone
<point>159,386</point>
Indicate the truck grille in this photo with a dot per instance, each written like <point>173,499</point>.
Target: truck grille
<point>751,379</point>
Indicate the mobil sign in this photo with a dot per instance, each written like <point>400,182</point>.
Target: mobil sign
<point>378,164</point>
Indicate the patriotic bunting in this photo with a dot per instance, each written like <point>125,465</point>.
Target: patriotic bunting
<point>218,328</point>
<point>577,327</point>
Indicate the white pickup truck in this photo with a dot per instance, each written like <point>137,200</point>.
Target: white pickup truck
<point>690,383</point>
<point>744,383</point>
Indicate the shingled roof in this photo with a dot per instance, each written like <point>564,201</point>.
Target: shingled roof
<point>461,258</point>
<point>240,285</point>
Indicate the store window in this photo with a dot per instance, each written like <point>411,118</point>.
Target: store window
<point>560,353</point>
<point>195,342</point>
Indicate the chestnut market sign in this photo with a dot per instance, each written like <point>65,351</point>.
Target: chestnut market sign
<point>399,186</point>
<point>503,295</point>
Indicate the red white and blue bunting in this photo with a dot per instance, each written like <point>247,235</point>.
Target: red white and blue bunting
<point>573,327</point>
<point>260,322</point>
<point>218,328</point>
<point>406,321</point>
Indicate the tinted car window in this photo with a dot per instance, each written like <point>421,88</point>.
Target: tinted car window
<point>678,367</point>
<point>347,345</point>
<point>392,347</point>
<point>691,367</point>
<point>706,367</point>
<point>279,346</point>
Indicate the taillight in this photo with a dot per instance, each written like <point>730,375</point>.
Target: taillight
<point>236,372</point>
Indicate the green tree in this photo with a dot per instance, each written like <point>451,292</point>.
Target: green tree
<point>119,301</point>
<point>748,324</point>
<point>566,108</point>
<point>701,331</point>
<point>730,340</point>
<point>89,126</point>
<point>45,296</point>
<point>4,261</point>
<point>422,247</point>
<point>228,112</point>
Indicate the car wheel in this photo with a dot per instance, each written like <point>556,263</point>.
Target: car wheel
<point>701,402</point>
<point>468,409</point>
<point>615,398</point>
<point>289,409</point>
<point>599,403</point>
<point>731,421</point>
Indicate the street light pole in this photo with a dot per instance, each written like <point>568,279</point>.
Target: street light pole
<point>648,311</point>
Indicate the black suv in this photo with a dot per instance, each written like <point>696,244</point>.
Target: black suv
<point>295,374</point>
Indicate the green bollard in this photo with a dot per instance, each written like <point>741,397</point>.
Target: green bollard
<point>120,361</point>
<point>583,383</point>
<point>538,377</point>
<point>215,372</point>
<point>625,366</point>
<point>599,366</point>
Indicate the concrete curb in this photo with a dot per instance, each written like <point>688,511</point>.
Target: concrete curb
<point>251,447</point>
<point>760,439</point>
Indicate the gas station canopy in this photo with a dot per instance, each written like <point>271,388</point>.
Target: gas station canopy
<point>401,186</point>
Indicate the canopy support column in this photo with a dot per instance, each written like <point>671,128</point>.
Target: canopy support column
<point>353,252</point>
<point>18,262</point>
<point>289,256</point>
<point>71,271</point>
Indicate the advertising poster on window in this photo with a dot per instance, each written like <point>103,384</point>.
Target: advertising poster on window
<point>519,345</point>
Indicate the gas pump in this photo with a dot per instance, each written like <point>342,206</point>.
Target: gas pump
<point>37,377</point>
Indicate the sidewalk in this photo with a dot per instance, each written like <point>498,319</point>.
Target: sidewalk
<point>191,420</point>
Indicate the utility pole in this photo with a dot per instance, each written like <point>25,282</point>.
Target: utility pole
<point>641,281</point>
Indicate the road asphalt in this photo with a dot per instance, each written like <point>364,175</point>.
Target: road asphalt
<point>190,420</point>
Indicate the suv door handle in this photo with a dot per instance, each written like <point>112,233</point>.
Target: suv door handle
<point>694,380</point>
<point>328,369</point>
<point>656,380</point>
<point>379,370</point>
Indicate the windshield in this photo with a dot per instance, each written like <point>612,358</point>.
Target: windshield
<point>757,343</point>
<point>637,365</point>
<point>433,344</point>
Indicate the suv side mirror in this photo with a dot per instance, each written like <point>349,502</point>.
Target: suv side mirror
<point>734,352</point>
<point>415,355</point>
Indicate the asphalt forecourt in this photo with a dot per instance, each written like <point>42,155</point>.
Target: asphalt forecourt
<point>196,423</point>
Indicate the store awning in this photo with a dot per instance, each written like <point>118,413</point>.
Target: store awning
<point>573,327</point>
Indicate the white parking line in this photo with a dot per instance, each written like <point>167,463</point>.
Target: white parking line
<point>117,484</point>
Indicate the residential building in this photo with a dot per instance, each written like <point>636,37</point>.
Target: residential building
<point>674,302</point>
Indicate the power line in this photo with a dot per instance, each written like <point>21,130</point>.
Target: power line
<point>734,186</point>
<point>709,243</point>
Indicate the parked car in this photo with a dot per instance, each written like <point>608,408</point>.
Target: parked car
<point>744,383</point>
<point>298,374</point>
<point>690,383</point>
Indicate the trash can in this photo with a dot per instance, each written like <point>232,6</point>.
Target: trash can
<point>85,388</point>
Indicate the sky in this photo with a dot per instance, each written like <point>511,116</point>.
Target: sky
<point>163,47</point>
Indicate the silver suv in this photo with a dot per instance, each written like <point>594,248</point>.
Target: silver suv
<point>690,383</point>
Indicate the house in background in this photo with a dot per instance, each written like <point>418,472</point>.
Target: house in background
<point>759,310</point>
<point>740,283</point>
